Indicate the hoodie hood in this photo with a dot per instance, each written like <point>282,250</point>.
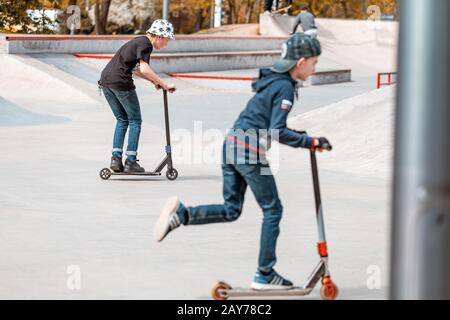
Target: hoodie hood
<point>267,77</point>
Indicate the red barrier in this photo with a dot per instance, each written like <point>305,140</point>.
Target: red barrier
<point>92,56</point>
<point>389,76</point>
<point>192,76</point>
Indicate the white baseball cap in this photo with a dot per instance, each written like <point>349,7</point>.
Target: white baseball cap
<point>162,28</point>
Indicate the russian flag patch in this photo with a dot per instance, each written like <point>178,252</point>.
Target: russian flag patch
<point>286,105</point>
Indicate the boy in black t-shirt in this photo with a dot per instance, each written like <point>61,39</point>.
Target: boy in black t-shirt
<point>117,84</point>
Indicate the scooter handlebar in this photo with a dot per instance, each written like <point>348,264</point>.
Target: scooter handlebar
<point>325,146</point>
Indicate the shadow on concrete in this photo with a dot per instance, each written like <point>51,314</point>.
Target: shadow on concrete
<point>12,115</point>
<point>163,178</point>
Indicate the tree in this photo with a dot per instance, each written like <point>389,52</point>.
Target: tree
<point>190,16</point>
<point>101,15</point>
<point>15,16</point>
<point>347,9</point>
<point>251,6</point>
<point>235,7</point>
<point>202,10</point>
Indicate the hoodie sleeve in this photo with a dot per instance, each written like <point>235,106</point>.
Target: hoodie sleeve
<point>283,102</point>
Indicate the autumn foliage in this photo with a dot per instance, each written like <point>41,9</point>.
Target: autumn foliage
<point>188,16</point>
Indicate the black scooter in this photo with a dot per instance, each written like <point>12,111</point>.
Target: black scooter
<point>171,172</point>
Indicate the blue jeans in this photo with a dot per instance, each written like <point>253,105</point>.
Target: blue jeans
<point>236,178</point>
<point>126,109</point>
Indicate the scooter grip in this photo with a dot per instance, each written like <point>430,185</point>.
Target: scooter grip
<point>327,147</point>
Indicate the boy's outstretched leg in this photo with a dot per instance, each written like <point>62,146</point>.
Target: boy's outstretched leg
<point>175,213</point>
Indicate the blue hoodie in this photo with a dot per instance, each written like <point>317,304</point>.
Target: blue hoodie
<point>269,109</point>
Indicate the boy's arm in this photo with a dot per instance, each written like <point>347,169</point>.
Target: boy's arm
<point>140,74</point>
<point>144,71</point>
<point>282,105</point>
<point>296,23</point>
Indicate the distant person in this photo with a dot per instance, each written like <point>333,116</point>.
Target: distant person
<point>117,84</point>
<point>268,4</point>
<point>286,4</point>
<point>307,20</point>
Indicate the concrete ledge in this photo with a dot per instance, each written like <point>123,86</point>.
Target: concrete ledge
<point>324,77</point>
<point>204,61</point>
<point>183,63</point>
<point>330,77</point>
<point>213,61</point>
<point>23,44</point>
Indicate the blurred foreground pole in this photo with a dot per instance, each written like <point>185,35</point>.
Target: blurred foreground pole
<point>420,256</point>
<point>165,9</point>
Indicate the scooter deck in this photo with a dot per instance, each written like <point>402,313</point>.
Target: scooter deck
<point>146,173</point>
<point>248,292</point>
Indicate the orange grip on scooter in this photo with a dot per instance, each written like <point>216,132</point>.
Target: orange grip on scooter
<point>322,249</point>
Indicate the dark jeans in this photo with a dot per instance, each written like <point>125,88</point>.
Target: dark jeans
<point>236,178</point>
<point>126,109</point>
<point>268,4</point>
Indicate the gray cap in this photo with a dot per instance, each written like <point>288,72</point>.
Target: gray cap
<point>296,47</point>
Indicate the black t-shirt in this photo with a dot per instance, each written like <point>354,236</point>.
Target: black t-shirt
<point>118,73</point>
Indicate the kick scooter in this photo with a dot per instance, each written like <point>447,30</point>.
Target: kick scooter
<point>329,291</point>
<point>171,173</point>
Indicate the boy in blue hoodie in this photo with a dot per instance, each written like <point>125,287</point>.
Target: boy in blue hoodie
<point>244,163</point>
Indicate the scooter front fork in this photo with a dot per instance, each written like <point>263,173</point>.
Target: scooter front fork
<point>167,161</point>
<point>322,250</point>
<point>321,272</point>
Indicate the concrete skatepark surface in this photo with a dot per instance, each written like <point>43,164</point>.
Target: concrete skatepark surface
<point>56,212</point>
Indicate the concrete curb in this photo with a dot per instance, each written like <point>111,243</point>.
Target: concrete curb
<point>110,44</point>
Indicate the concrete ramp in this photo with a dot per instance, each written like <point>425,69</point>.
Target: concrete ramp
<point>13,115</point>
<point>360,129</point>
<point>363,46</point>
<point>275,26</point>
<point>42,87</point>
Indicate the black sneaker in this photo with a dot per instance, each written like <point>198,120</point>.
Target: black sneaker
<point>132,166</point>
<point>116,164</point>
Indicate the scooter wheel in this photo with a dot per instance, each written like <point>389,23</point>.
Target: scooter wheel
<point>220,290</point>
<point>105,173</point>
<point>172,174</point>
<point>329,291</point>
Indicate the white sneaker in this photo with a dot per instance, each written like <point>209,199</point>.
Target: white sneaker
<point>273,281</point>
<point>168,219</point>
<point>267,13</point>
